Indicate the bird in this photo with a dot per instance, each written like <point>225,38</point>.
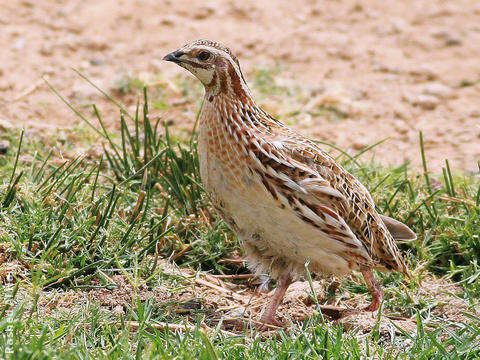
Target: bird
<point>288,201</point>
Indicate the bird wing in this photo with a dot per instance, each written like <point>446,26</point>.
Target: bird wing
<point>302,188</point>
<point>322,193</point>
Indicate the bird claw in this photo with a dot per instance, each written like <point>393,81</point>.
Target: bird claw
<point>270,323</point>
<point>374,305</point>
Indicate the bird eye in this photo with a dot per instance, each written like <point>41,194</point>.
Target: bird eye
<point>204,55</point>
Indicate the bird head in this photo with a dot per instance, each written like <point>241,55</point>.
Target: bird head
<point>213,64</point>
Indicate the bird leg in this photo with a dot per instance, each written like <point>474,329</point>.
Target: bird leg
<point>268,316</point>
<point>375,289</point>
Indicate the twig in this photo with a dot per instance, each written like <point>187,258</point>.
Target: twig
<point>219,289</point>
<point>181,252</point>
<point>457,200</point>
<point>28,90</point>
<point>254,322</point>
<point>212,279</point>
<point>233,261</point>
<point>238,276</point>
<point>207,221</point>
<point>401,318</point>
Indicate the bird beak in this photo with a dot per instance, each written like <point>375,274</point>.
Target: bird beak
<point>174,56</point>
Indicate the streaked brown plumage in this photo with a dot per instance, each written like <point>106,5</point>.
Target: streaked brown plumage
<point>288,201</point>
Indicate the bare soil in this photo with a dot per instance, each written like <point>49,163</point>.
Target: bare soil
<point>391,68</point>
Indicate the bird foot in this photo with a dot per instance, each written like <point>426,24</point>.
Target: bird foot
<point>270,323</point>
<point>375,290</point>
<point>374,305</point>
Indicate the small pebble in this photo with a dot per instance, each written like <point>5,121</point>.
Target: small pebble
<point>168,122</point>
<point>46,50</point>
<point>438,89</point>
<point>423,73</point>
<point>169,20</point>
<point>19,44</point>
<point>5,85</point>
<point>237,312</point>
<point>97,45</point>
<point>82,90</point>
<point>5,124</point>
<point>97,61</point>
<point>399,25</point>
<point>448,38</point>
<point>400,126</point>
<point>48,70</point>
<point>360,144</point>
<point>28,3</point>
<point>4,146</point>
<point>118,310</point>
<point>85,65</point>
<point>205,11</point>
<point>474,114</point>
<point>426,102</point>
<point>453,41</point>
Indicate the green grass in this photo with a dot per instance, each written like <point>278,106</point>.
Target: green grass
<point>70,225</point>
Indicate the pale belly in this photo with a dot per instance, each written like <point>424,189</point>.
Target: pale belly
<point>275,239</point>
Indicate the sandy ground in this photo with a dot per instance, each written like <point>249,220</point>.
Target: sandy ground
<point>393,67</point>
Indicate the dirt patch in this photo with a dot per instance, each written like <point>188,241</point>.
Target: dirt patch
<point>366,321</point>
<point>10,268</point>
<point>125,293</point>
<point>4,249</point>
<point>58,301</point>
<point>239,305</point>
<point>444,298</point>
<point>389,69</point>
<point>450,305</point>
<point>240,302</point>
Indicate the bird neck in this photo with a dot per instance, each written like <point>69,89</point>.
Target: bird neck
<point>228,83</point>
<point>236,113</point>
<point>230,99</point>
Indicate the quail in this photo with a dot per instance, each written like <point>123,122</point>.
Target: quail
<point>287,200</point>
